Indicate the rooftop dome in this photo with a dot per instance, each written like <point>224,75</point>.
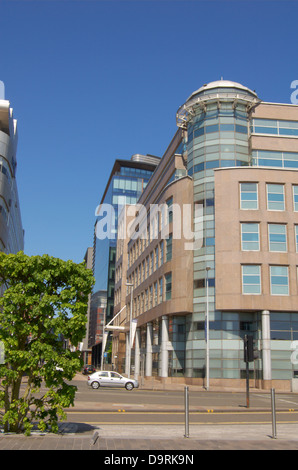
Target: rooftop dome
<point>222,84</point>
<point>218,91</point>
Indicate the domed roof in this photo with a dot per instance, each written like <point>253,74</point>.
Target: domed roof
<point>222,84</point>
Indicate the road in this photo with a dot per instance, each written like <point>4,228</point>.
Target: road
<point>152,407</point>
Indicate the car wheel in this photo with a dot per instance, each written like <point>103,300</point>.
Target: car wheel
<point>129,386</point>
<point>95,385</point>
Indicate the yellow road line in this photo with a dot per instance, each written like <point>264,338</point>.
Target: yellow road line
<point>193,413</point>
<point>244,423</point>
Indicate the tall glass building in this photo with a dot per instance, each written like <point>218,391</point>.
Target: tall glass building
<point>127,181</point>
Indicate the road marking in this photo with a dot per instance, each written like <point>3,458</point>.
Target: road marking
<point>248,413</point>
<point>170,423</point>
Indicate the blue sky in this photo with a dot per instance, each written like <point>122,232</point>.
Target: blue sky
<point>93,80</point>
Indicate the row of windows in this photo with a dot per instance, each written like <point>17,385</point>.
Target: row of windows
<point>162,253</point>
<point>206,128</point>
<point>251,280</point>
<point>158,221</point>
<point>156,293</point>
<point>275,159</point>
<point>274,127</point>
<point>275,196</point>
<point>277,237</point>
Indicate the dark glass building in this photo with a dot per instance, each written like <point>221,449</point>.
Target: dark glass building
<point>127,181</point>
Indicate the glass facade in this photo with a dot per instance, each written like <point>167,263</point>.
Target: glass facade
<point>127,182</point>
<point>217,137</point>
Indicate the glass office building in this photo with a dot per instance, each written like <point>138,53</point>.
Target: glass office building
<point>127,181</point>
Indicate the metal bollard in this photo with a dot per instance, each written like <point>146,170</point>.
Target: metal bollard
<point>186,407</point>
<point>273,413</point>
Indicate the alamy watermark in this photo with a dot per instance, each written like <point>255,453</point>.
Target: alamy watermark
<point>294,95</point>
<point>133,222</point>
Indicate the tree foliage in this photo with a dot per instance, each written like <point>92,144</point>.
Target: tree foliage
<point>44,301</point>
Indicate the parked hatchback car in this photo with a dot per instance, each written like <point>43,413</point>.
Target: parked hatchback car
<point>106,378</point>
<point>88,369</point>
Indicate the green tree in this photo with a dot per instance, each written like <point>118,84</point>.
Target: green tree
<point>45,300</point>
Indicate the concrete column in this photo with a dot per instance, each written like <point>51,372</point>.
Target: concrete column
<point>126,352</point>
<point>137,352</point>
<point>266,348</point>
<point>148,366</point>
<point>164,359</point>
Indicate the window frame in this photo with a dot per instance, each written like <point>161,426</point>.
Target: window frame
<point>247,274</point>
<point>271,277</point>
<point>242,192</point>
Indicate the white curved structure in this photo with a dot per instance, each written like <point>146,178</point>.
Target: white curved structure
<point>11,230</point>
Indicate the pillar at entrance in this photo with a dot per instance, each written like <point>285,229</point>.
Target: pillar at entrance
<point>137,352</point>
<point>148,367</point>
<point>164,346</point>
<point>266,349</point>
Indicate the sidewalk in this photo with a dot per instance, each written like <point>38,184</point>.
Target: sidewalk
<point>74,436</point>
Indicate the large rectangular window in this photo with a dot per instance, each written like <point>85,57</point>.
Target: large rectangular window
<point>275,197</point>
<point>277,237</point>
<point>248,195</point>
<point>279,280</point>
<point>168,286</point>
<point>250,238</point>
<point>271,126</point>
<point>251,279</point>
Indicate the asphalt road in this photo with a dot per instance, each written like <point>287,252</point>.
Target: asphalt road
<point>157,407</point>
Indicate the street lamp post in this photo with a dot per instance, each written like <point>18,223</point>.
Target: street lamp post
<point>130,320</point>
<point>207,328</point>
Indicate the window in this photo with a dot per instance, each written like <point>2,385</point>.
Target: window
<point>160,290</point>
<point>251,279</point>
<point>150,296</point>
<point>277,237</point>
<point>250,238</point>
<point>156,257</point>
<point>155,293</point>
<point>248,195</point>
<point>279,280</point>
<point>296,237</point>
<point>161,253</point>
<point>169,248</point>
<point>295,196</point>
<point>169,203</point>
<point>168,286</point>
<point>275,197</point>
<point>270,126</point>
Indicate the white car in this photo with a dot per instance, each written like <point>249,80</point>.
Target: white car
<point>106,378</point>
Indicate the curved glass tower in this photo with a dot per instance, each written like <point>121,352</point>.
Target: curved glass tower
<point>217,125</point>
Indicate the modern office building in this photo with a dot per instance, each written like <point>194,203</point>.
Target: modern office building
<point>234,161</point>
<point>127,180</point>
<point>11,230</point>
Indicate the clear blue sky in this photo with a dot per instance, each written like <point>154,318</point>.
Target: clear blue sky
<point>92,80</point>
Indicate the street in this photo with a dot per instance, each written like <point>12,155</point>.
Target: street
<point>157,407</point>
